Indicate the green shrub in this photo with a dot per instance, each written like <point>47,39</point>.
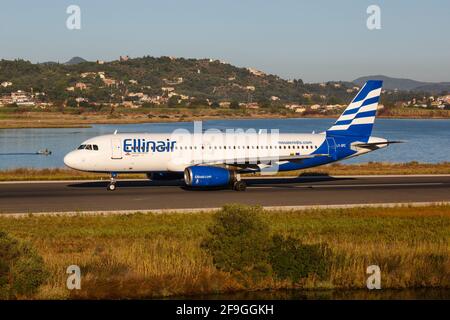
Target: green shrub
<point>238,240</point>
<point>21,268</point>
<point>290,259</point>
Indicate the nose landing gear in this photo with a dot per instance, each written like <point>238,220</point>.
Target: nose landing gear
<point>112,185</point>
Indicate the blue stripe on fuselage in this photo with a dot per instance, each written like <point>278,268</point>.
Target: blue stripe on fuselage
<point>342,152</point>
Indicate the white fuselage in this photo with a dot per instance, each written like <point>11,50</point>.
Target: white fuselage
<point>145,152</point>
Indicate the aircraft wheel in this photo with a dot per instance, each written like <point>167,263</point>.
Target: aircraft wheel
<point>239,186</point>
<point>111,187</point>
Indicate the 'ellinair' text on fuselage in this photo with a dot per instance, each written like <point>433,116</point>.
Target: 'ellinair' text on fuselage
<point>141,145</point>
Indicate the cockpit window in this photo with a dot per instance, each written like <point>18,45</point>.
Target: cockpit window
<point>88,147</point>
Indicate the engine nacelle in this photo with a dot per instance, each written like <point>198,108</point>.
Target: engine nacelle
<point>163,176</point>
<point>206,176</point>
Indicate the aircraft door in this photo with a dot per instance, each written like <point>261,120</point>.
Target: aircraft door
<point>116,148</point>
<point>332,148</point>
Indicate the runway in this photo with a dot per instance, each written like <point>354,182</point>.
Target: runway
<point>23,197</point>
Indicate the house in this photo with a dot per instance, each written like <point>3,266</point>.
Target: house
<point>251,105</point>
<point>88,74</point>
<point>250,88</point>
<point>136,94</point>
<point>274,98</point>
<point>100,62</point>
<point>444,99</point>
<point>6,99</point>
<point>81,86</point>
<point>22,98</point>
<point>173,81</point>
<point>296,108</point>
<point>80,99</point>
<point>133,81</point>
<point>315,107</point>
<point>109,82</point>
<point>124,58</point>
<point>6,84</point>
<point>167,89</point>
<point>256,72</point>
<point>130,104</point>
<point>70,88</point>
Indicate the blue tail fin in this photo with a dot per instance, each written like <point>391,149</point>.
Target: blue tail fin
<point>359,117</point>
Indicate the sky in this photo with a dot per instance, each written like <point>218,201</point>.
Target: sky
<point>311,40</point>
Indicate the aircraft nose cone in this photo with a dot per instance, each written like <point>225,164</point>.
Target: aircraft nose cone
<point>70,160</point>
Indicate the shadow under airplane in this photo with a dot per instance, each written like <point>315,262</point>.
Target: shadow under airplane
<point>279,182</point>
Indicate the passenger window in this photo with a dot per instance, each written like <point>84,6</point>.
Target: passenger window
<point>82,147</point>
<point>95,147</point>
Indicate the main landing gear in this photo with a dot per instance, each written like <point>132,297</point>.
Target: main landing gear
<point>112,185</point>
<point>239,185</point>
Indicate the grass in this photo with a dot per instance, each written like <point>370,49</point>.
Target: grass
<point>156,255</point>
<point>11,118</point>
<point>371,168</point>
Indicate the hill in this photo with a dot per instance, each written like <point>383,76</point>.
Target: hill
<point>198,79</point>
<point>75,60</point>
<point>406,84</point>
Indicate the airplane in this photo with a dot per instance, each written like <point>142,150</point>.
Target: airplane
<point>214,159</point>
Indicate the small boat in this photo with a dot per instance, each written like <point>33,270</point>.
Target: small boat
<point>44,152</point>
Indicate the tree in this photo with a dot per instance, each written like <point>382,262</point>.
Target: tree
<point>234,104</point>
<point>173,101</point>
<point>238,240</point>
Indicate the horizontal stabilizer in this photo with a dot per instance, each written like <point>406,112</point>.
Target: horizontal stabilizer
<point>375,144</point>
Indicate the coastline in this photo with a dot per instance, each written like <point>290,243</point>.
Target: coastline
<point>41,120</point>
